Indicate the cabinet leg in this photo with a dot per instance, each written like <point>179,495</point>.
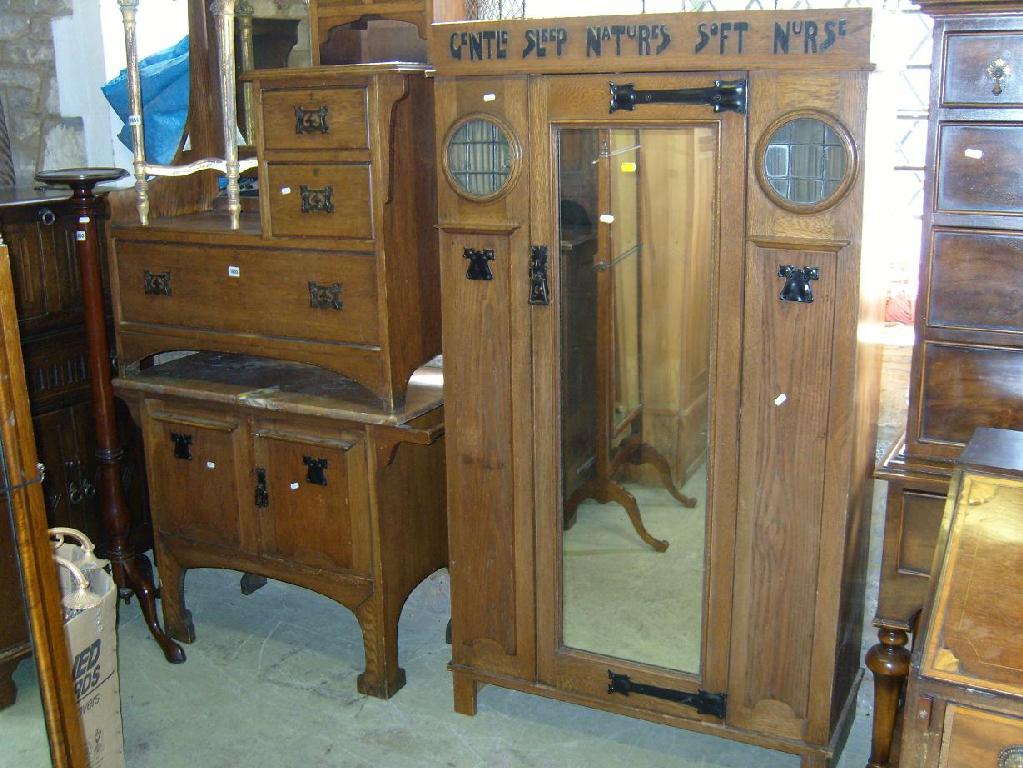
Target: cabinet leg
<point>889,663</point>
<point>383,677</point>
<point>250,582</point>
<point>176,617</point>
<point>8,690</point>
<point>465,688</point>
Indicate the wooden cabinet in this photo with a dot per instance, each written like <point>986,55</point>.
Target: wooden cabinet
<point>339,271</point>
<point>963,700</point>
<point>968,355</point>
<point>287,471</point>
<point>618,524</point>
<point>39,228</point>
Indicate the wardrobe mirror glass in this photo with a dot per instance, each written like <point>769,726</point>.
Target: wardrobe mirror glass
<point>636,237</point>
<point>805,161</point>
<point>479,158</point>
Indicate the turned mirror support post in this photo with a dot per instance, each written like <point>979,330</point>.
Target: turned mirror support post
<point>889,663</point>
<point>132,571</point>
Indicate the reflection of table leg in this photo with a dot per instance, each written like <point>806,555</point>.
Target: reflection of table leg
<point>605,491</point>
<point>635,451</point>
<point>132,571</point>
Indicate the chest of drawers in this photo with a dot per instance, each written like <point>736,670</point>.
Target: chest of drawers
<point>339,269</point>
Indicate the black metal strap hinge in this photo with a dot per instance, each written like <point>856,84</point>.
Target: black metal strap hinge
<point>182,446</point>
<point>262,496</point>
<point>704,702</point>
<point>539,291</point>
<point>724,95</point>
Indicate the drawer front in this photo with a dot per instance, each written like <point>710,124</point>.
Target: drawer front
<point>291,294</point>
<point>973,738</point>
<point>326,200</point>
<point>976,281</point>
<point>966,387</point>
<point>313,501</point>
<point>316,119</point>
<point>193,475</point>
<point>983,69</point>
<point>979,169</point>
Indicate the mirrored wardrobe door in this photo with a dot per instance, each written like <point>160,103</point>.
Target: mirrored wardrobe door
<point>635,210</point>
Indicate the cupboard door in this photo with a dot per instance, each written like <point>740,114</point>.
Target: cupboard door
<point>193,461</point>
<point>487,374</point>
<point>311,500</point>
<point>634,474</point>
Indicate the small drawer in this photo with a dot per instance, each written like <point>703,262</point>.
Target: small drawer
<point>976,281</point>
<point>325,200</point>
<point>315,119</point>
<point>973,737</point>
<point>983,69</point>
<point>979,169</point>
<point>307,295</point>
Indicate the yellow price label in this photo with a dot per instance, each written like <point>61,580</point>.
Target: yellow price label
<point>628,167</point>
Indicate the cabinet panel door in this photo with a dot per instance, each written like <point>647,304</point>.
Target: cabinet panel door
<point>193,462</point>
<point>312,506</point>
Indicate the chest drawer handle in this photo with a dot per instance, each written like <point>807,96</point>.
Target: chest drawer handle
<point>998,70</point>
<point>182,446</point>
<point>797,283</point>
<point>317,472</point>
<point>262,496</point>
<point>478,269</point>
<point>157,283</point>
<point>325,296</point>
<point>317,200</point>
<point>311,120</point>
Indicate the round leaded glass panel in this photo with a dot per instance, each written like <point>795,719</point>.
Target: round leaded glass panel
<point>480,158</point>
<point>806,162</point>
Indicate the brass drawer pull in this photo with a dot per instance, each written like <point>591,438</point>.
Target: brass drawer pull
<point>998,70</point>
<point>311,120</point>
<point>317,200</point>
<point>325,296</point>
<point>157,283</point>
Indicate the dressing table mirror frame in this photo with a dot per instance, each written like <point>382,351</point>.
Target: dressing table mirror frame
<point>38,575</point>
<point>852,161</point>
<point>514,149</point>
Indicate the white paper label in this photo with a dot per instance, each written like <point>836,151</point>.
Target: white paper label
<point>607,218</point>
<point>780,399</point>
<point>489,97</point>
<point>84,219</point>
<point>211,465</point>
<point>285,190</point>
<point>294,486</point>
<point>134,120</point>
<point>80,236</point>
<point>974,154</point>
<point>233,271</point>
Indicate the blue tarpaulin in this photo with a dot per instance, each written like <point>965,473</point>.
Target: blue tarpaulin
<point>164,84</point>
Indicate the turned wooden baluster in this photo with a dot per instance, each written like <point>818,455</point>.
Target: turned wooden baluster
<point>889,662</point>
<point>131,570</point>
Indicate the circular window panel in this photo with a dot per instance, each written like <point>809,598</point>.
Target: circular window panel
<point>806,163</point>
<point>482,157</point>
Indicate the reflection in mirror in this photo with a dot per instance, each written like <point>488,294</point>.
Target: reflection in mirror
<point>635,349</point>
<point>806,161</point>
<point>479,158</point>
<point>22,724</point>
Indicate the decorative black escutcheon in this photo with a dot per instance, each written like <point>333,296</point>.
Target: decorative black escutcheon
<point>325,296</point>
<point>479,269</point>
<point>705,703</point>
<point>539,291</point>
<point>262,497</point>
<point>317,200</point>
<point>723,96</point>
<point>157,283</point>
<point>182,446</point>
<point>311,120</point>
<point>797,283</point>
<point>316,474</point>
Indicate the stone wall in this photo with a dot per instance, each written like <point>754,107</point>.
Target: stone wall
<point>40,136</point>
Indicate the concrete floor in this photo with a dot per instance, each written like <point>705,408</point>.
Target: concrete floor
<point>270,682</point>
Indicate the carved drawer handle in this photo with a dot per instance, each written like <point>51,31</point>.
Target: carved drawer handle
<point>317,200</point>
<point>325,296</point>
<point>157,283</point>
<point>311,120</point>
<point>998,70</point>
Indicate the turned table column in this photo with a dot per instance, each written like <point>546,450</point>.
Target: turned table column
<point>131,570</point>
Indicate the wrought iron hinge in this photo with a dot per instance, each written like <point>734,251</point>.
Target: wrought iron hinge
<point>316,474</point>
<point>182,446</point>
<point>262,497</point>
<point>704,702</point>
<point>724,95</point>
<point>479,268</point>
<point>797,283</point>
<point>539,292</point>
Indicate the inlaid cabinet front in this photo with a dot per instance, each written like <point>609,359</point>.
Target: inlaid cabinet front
<point>659,410</point>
